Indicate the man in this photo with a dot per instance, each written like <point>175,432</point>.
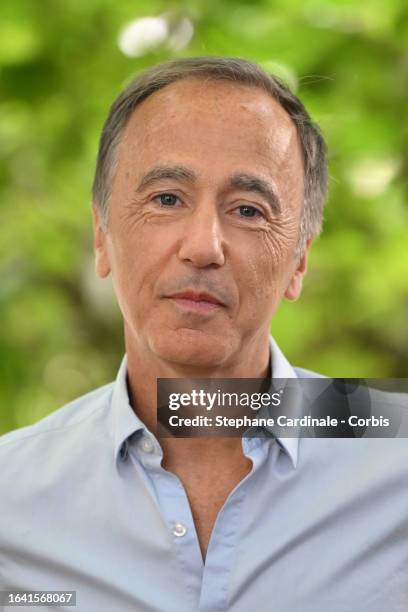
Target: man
<point>209,189</point>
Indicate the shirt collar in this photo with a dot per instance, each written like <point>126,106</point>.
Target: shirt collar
<point>125,423</point>
<point>282,369</point>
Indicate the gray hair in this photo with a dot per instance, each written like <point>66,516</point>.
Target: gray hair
<point>220,69</point>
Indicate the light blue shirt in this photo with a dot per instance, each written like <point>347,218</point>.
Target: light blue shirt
<point>318,525</point>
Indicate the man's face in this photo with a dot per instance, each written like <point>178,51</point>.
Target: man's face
<point>207,198</point>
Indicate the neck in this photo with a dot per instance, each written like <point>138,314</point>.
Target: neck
<point>143,370</point>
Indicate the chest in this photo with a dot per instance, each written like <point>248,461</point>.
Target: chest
<point>207,491</point>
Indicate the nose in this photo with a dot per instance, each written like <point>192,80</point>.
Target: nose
<point>202,243</point>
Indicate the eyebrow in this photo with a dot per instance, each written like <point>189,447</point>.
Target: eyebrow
<point>158,173</point>
<point>256,184</point>
<point>241,180</point>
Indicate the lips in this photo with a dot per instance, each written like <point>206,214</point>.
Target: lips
<point>194,296</point>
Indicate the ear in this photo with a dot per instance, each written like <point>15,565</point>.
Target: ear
<point>102,266</point>
<point>294,288</point>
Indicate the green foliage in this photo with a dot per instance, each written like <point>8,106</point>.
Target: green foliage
<point>61,67</point>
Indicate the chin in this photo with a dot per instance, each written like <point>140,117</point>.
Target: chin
<point>191,347</point>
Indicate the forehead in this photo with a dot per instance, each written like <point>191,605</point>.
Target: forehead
<point>215,97</point>
<point>213,124</point>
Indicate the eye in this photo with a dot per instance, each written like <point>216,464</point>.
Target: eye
<point>167,200</point>
<point>249,212</point>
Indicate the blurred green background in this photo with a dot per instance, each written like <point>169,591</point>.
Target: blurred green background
<point>61,65</point>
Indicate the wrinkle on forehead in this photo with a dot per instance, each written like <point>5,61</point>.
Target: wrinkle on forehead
<point>222,120</point>
<point>186,97</point>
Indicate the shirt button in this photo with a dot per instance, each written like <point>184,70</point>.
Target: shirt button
<point>179,530</point>
<point>147,445</point>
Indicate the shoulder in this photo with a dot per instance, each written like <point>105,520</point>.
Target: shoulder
<point>48,469</point>
<point>378,397</point>
<point>383,412</point>
<point>302,373</point>
<point>62,426</point>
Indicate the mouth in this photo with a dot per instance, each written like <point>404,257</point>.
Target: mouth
<point>196,301</point>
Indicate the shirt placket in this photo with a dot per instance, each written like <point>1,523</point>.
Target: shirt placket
<point>207,584</point>
<point>222,549</point>
<point>175,509</point>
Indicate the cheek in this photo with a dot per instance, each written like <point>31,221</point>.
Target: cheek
<point>269,268</point>
<point>129,263</point>
<point>138,260</point>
